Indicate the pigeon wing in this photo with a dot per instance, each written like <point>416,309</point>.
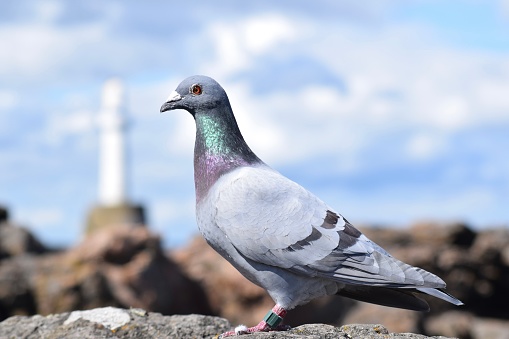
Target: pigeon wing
<point>272,220</point>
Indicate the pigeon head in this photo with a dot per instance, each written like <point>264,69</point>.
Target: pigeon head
<point>196,94</point>
<point>219,145</point>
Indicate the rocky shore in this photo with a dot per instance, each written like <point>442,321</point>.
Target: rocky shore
<point>127,268</point>
<point>112,322</point>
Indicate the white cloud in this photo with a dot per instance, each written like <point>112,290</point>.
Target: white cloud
<point>167,211</point>
<point>48,11</point>
<point>425,146</point>
<point>237,43</point>
<point>425,203</point>
<point>504,7</point>
<point>324,101</point>
<point>399,80</point>
<point>8,99</point>
<point>261,34</point>
<point>491,94</point>
<point>39,218</point>
<point>180,139</point>
<point>402,83</point>
<point>61,125</point>
<point>435,87</point>
<point>452,113</point>
<point>38,49</point>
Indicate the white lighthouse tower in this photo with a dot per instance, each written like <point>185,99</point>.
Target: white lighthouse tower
<point>114,208</point>
<point>112,164</point>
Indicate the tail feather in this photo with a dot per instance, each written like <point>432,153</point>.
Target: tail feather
<point>400,298</point>
<point>396,297</point>
<point>441,294</point>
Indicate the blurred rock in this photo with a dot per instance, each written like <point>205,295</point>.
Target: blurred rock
<point>490,328</point>
<point>117,267</point>
<point>473,264</point>
<point>228,292</point>
<point>4,214</point>
<point>394,319</point>
<point>465,325</point>
<point>16,240</point>
<point>138,324</point>
<point>452,323</point>
<point>126,267</point>
<point>16,295</point>
<point>17,249</point>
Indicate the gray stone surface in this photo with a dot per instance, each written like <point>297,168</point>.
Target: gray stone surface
<point>154,325</point>
<point>110,317</point>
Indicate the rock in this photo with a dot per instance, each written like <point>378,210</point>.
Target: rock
<point>473,264</point>
<point>484,275</point>
<point>465,325</point>
<point>4,214</point>
<point>139,324</point>
<point>115,267</point>
<point>16,240</point>
<point>126,267</point>
<point>110,317</point>
<point>487,328</point>
<point>95,325</point>
<point>452,323</point>
<point>228,292</point>
<point>394,319</point>
<point>371,331</point>
<point>16,295</point>
<point>457,234</point>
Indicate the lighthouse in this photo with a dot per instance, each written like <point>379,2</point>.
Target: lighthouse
<point>113,208</point>
<point>112,150</point>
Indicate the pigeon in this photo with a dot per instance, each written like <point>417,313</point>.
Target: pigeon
<point>276,233</point>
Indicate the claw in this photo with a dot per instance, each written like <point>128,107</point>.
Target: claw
<point>271,322</point>
<point>258,328</point>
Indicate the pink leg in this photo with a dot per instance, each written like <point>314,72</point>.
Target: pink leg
<point>271,322</point>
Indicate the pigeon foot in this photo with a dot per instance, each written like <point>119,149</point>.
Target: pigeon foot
<point>271,322</point>
<point>261,327</point>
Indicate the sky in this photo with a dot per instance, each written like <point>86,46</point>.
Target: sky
<point>391,111</point>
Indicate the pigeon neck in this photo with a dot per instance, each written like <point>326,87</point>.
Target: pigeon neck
<point>219,148</point>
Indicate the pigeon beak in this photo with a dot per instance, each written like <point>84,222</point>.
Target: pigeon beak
<point>170,102</point>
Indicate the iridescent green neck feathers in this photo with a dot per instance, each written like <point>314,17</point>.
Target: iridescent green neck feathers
<point>219,148</point>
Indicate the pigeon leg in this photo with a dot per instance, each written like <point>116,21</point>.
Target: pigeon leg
<point>271,322</point>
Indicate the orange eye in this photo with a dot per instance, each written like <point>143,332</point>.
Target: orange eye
<point>196,89</point>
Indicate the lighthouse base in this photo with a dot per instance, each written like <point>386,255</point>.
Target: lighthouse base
<point>124,215</point>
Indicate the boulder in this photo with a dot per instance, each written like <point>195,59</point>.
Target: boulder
<point>136,323</point>
<point>475,266</point>
<point>126,267</point>
<point>16,240</point>
<point>4,214</point>
<point>116,267</point>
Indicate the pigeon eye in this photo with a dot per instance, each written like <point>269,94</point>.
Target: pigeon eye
<point>196,89</point>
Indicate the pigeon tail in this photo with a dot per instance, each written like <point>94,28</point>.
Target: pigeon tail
<point>401,298</point>
<point>441,294</point>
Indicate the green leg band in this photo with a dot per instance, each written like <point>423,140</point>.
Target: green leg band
<point>272,319</point>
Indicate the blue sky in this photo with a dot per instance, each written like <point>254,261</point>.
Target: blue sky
<point>391,111</point>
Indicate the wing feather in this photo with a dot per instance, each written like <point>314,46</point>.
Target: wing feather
<point>274,221</point>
